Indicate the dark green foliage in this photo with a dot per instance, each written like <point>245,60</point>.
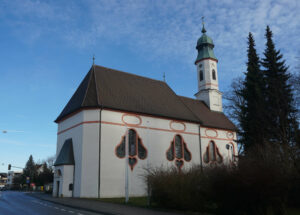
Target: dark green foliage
<point>253,93</point>
<point>30,170</point>
<point>18,180</point>
<point>280,113</point>
<point>45,176</point>
<point>40,174</point>
<point>263,105</point>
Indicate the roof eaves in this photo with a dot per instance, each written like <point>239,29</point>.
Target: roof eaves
<point>131,74</point>
<point>154,115</point>
<point>87,88</point>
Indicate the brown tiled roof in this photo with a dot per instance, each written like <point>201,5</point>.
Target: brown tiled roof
<point>206,116</point>
<point>107,88</point>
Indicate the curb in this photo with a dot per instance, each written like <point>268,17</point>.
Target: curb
<point>72,206</point>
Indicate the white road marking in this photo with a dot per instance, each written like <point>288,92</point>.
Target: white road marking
<point>41,203</point>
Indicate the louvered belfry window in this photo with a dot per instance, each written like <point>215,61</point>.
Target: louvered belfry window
<point>178,151</point>
<point>214,74</point>
<point>136,148</point>
<point>201,75</point>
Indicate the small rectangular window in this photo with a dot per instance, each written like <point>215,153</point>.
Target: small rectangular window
<point>214,74</point>
<point>70,186</point>
<point>201,75</point>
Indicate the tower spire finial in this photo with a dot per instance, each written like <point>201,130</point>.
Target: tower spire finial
<point>93,59</point>
<point>203,28</point>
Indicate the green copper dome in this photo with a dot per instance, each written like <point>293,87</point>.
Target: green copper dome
<point>205,47</point>
<point>204,39</point>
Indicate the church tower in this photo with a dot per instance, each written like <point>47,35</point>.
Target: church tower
<point>206,63</point>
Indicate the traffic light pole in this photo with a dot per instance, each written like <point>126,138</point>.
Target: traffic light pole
<point>10,166</point>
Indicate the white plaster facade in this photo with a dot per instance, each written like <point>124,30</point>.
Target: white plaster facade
<point>64,176</point>
<point>156,134</point>
<point>11,175</point>
<point>208,87</point>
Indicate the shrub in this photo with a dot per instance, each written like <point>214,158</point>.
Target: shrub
<point>185,190</point>
<point>264,182</point>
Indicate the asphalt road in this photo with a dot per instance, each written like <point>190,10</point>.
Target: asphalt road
<point>18,203</point>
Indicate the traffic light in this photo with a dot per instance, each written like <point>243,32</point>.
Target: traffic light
<point>9,166</point>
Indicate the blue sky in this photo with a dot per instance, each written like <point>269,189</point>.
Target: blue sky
<point>46,48</point>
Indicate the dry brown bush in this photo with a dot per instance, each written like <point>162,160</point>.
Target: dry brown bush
<point>264,182</point>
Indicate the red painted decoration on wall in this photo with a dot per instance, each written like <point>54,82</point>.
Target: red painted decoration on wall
<point>212,154</point>
<point>178,151</point>
<point>136,148</point>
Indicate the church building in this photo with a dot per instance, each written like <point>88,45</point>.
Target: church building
<point>117,124</point>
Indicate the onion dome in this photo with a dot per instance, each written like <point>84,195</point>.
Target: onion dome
<point>205,47</point>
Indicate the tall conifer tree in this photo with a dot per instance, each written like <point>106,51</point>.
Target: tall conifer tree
<point>30,169</point>
<point>280,113</point>
<point>252,113</point>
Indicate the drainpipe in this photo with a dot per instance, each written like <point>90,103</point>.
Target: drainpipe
<point>201,160</point>
<point>127,166</point>
<point>100,113</point>
<point>73,179</point>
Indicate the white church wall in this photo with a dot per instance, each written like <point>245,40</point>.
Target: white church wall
<point>56,178</point>
<point>90,154</point>
<point>67,173</point>
<point>207,66</point>
<point>215,98</point>
<point>221,138</point>
<point>156,134</point>
<point>68,129</point>
<point>112,168</point>
<point>65,178</point>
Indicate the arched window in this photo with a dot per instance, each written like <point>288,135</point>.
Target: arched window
<point>178,150</point>
<point>136,148</point>
<point>58,172</point>
<point>231,151</point>
<point>212,154</point>
<point>212,151</point>
<point>214,74</point>
<point>201,75</point>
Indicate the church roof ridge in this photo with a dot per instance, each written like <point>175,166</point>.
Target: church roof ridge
<point>140,76</point>
<point>104,87</point>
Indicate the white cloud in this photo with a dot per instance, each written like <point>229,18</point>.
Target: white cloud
<point>11,142</point>
<point>165,29</point>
